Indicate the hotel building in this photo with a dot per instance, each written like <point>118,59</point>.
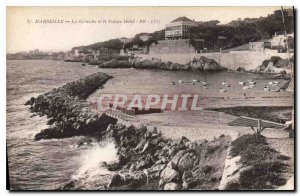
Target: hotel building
<point>178,28</point>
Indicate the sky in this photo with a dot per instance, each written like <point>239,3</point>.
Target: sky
<point>24,36</point>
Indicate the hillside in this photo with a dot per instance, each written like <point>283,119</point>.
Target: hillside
<point>216,36</point>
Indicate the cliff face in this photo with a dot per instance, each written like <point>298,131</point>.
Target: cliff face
<point>68,112</point>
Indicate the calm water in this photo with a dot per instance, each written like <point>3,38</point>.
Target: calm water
<point>48,164</point>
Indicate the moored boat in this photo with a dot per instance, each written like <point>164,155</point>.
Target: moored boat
<point>267,88</point>
<point>225,84</point>
<point>246,87</point>
<point>251,82</point>
<point>222,90</point>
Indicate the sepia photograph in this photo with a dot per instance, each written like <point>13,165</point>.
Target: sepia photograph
<point>150,98</point>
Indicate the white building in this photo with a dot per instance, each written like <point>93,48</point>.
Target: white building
<point>178,28</point>
<point>259,46</point>
<point>279,40</point>
<point>76,52</point>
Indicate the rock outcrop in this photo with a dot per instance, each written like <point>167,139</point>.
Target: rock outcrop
<point>147,157</point>
<point>68,112</point>
<point>276,65</point>
<point>201,64</point>
<point>206,64</point>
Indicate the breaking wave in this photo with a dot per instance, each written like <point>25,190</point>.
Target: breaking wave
<point>92,163</point>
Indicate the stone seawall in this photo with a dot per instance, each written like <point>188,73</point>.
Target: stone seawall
<point>233,60</point>
<point>181,46</point>
<point>68,112</point>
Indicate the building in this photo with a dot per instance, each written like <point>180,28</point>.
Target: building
<point>105,54</point>
<point>76,52</point>
<point>35,51</point>
<point>279,41</point>
<point>178,28</point>
<point>259,46</point>
<point>84,53</point>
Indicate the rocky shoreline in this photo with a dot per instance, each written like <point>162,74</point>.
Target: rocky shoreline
<point>68,112</point>
<point>146,157</point>
<point>201,64</point>
<point>148,161</point>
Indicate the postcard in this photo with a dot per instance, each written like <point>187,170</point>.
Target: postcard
<point>150,98</point>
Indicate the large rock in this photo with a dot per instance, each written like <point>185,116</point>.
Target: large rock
<point>172,186</point>
<point>186,162</point>
<point>84,142</point>
<point>158,168</point>
<point>116,180</point>
<point>188,180</point>
<point>70,185</point>
<point>145,162</point>
<point>205,64</point>
<point>178,156</point>
<point>169,175</point>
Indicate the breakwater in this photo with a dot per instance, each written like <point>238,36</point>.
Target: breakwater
<point>148,161</point>
<point>68,112</point>
<point>201,64</point>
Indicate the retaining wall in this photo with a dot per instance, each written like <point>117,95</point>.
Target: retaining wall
<point>233,60</point>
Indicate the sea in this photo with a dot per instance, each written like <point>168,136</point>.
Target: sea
<point>48,164</point>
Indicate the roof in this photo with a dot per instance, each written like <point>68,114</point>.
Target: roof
<point>182,19</point>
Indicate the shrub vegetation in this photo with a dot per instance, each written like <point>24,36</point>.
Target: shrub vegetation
<point>264,164</point>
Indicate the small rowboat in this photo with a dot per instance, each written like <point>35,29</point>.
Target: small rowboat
<point>223,90</point>
<point>225,84</point>
<point>252,82</point>
<point>267,88</point>
<point>246,87</point>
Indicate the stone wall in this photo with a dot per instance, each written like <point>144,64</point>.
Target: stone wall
<point>172,47</point>
<point>247,60</point>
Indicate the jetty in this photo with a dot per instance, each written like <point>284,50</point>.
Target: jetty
<point>68,112</point>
